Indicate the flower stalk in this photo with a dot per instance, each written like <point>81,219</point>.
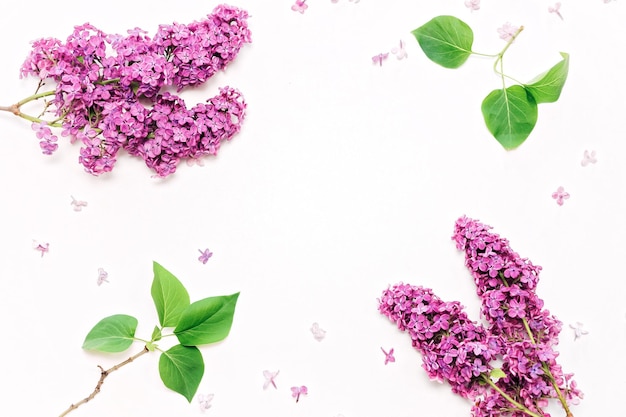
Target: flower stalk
<point>113,92</point>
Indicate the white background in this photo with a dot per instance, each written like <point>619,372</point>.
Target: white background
<point>345,178</point>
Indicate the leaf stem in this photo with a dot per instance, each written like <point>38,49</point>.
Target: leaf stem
<point>103,375</point>
<point>506,396</point>
<point>501,55</point>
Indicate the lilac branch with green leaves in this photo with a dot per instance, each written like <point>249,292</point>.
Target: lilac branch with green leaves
<point>510,112</point>
<point>181,367</point>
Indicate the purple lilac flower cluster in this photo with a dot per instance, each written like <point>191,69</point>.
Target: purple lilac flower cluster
<point>454,348</point>
<point>110,91</point>
<point>506,284</point>
<point>520,334</point>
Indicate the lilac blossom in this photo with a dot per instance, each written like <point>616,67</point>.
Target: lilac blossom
<point>578,330</point>
<point>41,247</point>
<point>560,195</point>
<point>296,392</point>
<point>299,6</point>
<point>527,332</point>
<point>204,255</point>
<point>454,349</point>
<point>400,51</point>
<point>318,333</point>
<point>473,5</point>
<point>48,139</point>
<point>378,59</point>
<point>589,157</point>
<point>556,9</point>
<point>102,276</point>
<point>388,355</point>
<point>270,378</point>
<point>205,401</point>
<point>78,205</point>
<point>111,93</point>
<point>507,31</point>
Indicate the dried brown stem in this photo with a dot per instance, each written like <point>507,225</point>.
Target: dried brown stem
<point>103,374</point>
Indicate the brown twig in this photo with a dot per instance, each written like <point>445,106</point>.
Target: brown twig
<point>11,109</point>
<point>103,375</point>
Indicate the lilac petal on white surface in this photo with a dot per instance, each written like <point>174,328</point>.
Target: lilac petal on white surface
<point>205,401</point>
<point>560,195</point>
<point>204,255</point>
<point>318,332</point>
<point>388,356</point>
<point>556,9</point>
<point>378,59</point>
<point>102,276</point>
<point>578,330</point>
<point>78,205</point>
<point>296,392</point>
<point>270,379</point>
<point>400,51</point>
<point>589,157</point>
<point>41,247</point>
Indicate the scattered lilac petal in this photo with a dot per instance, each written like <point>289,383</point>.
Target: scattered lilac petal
<point>378,59</point>
<point>204,255</point>
<point>102,276</point>
<point>270,379</point>
<point>334,1</point>
<point>507,31</point>
<point>473,5</point>
<point>607,1</point>
<point>556,9</point>
<point>205,401</point>
<point>354,1</point>
<point>588,158</point>
<point>42,247</point>
<point>78,204</point>
<point>318,332</point>
<point>578,330</point>
<point>399,52</point>
<point>296,392</point>
<point>300,6</point>
<point>560,195</point>
<point>388,356</point>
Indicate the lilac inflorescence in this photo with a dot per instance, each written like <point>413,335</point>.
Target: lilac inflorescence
<point>506,284</point>
<point>111,90</point>
<point>518,339</point>
<point>454,348</point>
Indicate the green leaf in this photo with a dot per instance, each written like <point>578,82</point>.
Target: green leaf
<point>446,40</point>
<point>496,374</point>
<point>112,334</point>
<point>156,334</point>
<point>169,295</point>
<point>206,321</point>
<point>546,88</point>
<point>181,369</point>
<point>510,115</point>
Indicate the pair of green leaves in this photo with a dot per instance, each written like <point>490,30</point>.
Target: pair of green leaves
<point>509,113</point>
<point>205,321</point>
